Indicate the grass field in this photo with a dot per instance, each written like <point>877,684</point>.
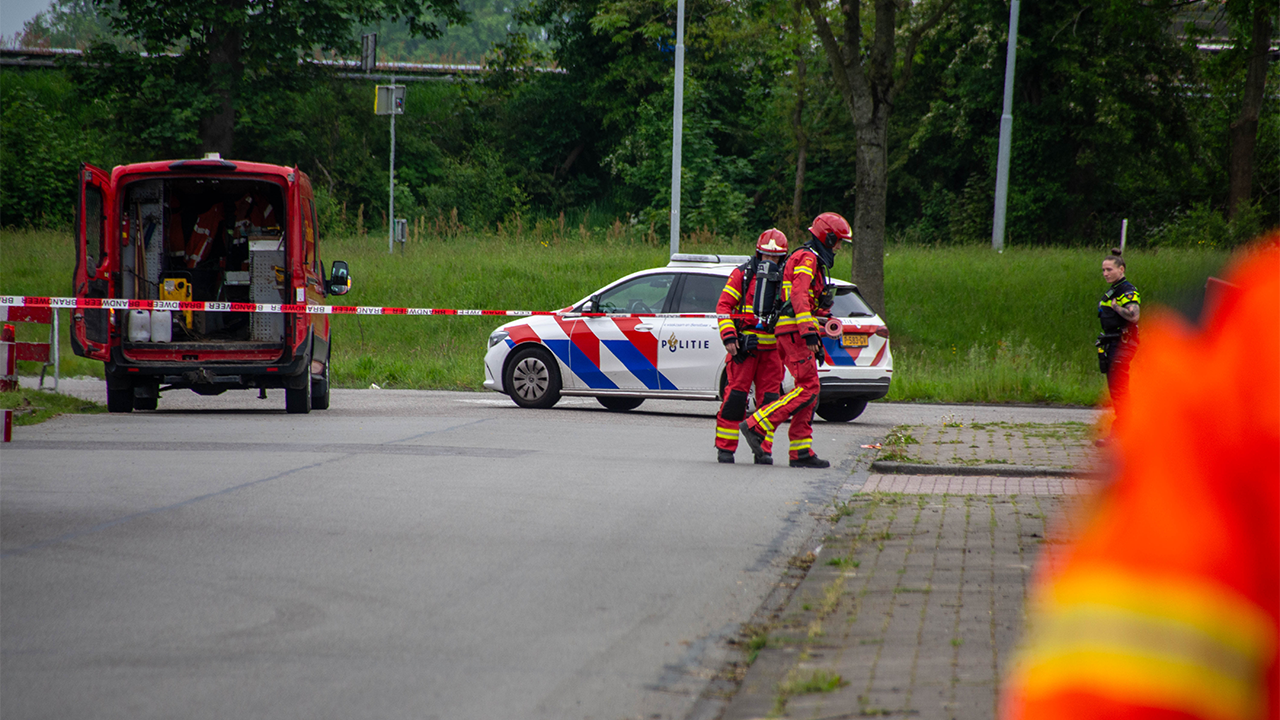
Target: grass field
<point>967,325</point>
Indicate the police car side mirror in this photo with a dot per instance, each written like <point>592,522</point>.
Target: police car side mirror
<point>592,304</point>
<point>340,281</point>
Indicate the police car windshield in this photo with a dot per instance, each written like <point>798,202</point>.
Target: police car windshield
<point>849,304</point>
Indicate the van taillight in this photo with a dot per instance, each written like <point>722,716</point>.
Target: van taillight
<point>883,332</point>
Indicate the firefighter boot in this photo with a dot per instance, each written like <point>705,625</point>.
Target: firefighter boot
<point>755,439</point>
<point>809,460</point>
<point>724,456</point>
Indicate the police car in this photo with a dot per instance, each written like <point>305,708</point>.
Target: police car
<point>622,360</point>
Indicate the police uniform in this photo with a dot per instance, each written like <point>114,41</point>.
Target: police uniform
<point>762,366</point>
<point>803,282</point>
<point>1119,339</point>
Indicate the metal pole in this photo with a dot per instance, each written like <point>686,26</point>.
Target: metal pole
<point>677,130</point>
<point>391,202</point>
<point>1006,133</point>
<point>1124,231</point>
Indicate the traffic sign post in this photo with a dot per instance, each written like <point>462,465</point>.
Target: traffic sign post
<point>389,100</point>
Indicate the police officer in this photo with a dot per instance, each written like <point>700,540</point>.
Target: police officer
<point>1118,311</point>
<point>804,281</point>
<point>751,345</point>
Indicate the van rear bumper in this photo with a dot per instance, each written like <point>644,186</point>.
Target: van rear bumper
<point>293,373</point>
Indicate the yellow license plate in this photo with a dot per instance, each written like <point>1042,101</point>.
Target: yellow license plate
<point>852,340</point>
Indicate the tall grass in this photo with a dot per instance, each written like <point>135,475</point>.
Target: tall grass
<point>966,324</point>
<point>969,324</point>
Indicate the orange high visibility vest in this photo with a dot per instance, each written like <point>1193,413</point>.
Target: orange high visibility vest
<point>1165,605</point>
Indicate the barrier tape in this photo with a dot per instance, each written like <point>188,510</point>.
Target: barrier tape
<point>209,306</point>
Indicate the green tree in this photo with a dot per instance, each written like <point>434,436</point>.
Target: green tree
<point>870,66</point>
<point>221,43</point>
<point>1253,25</point>
<point>1103,127</point>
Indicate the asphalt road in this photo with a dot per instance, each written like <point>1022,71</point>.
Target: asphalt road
<point>401,555</point>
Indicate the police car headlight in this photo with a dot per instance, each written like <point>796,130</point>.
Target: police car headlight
<point>497,336</point>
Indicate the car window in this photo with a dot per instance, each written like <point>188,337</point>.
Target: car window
<point>646,294</point>
<point>850,304</point>
<point>700,293</point>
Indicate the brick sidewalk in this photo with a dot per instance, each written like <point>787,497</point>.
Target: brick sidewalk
<point>996,446</point>
<point>913,603</point>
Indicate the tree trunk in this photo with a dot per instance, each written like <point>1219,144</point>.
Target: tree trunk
<point>802,142</point>
<point>867,83</point>
<point>1244,131</point>
<point>870,198</point>
<point>217,130</point>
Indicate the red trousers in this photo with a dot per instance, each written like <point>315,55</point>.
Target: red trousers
<point>764,369</point>
<point>796,405</point>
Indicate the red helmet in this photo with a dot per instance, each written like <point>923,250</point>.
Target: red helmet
<point>772,242</point>
<point>830,227</point>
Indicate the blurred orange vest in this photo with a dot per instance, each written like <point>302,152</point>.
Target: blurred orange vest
<point>1166,604</point>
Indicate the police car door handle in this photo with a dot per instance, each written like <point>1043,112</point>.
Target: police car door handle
<point>644,327</point>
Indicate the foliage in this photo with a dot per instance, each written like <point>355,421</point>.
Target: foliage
<point>44,136</point>
<point>1113,119</point>
<point>1203,226</point>
<point>68,24</point>
<point>1101,126</point>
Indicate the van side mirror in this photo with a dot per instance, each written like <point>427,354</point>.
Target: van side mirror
<point>340,281</point>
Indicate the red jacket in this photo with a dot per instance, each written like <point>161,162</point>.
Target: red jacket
<point>802,285</point>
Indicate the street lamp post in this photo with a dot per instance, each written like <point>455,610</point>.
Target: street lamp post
<point>1006,133</point>
<point>677,130</point>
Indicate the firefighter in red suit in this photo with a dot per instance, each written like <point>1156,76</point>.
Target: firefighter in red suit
<point>800,343</point>
<point>753,358</point>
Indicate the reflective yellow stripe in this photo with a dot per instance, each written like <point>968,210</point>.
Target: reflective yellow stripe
<point>763,413</point>
<point>726,433</point>
<point>804,269</point>
<point>802,444</point>
<point>1179,644</point>
<point>733,291</point>
<point>726,324</point>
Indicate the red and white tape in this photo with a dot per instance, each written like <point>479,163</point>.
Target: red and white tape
<point>208,306</point>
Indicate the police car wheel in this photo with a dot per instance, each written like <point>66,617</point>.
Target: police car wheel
<point>620,404</point>
<point>532,378</point>
<point>841,410</point>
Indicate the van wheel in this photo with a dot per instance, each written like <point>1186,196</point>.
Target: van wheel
<point>320,389</point>
<point>119,395</point>
<point>841,410</point>
<point>533,378</point>
<point>298,401</point>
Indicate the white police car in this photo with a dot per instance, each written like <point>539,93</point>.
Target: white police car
<point>623,360</point>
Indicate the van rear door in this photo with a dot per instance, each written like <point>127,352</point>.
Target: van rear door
<point>92,281</point>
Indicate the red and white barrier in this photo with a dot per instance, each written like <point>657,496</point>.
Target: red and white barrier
<point>209,306</point>
<point>11,350</point>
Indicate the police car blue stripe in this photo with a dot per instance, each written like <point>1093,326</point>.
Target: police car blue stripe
<point>587,371</point>
<point>635,362</point>
<point>560,348</point>
<point>840,355</point>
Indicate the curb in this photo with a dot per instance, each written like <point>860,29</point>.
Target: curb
<point>900,468</point>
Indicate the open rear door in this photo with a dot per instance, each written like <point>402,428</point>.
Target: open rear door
<point>92,281</point>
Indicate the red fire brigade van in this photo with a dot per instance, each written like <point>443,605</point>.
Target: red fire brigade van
<point>203,230</point>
